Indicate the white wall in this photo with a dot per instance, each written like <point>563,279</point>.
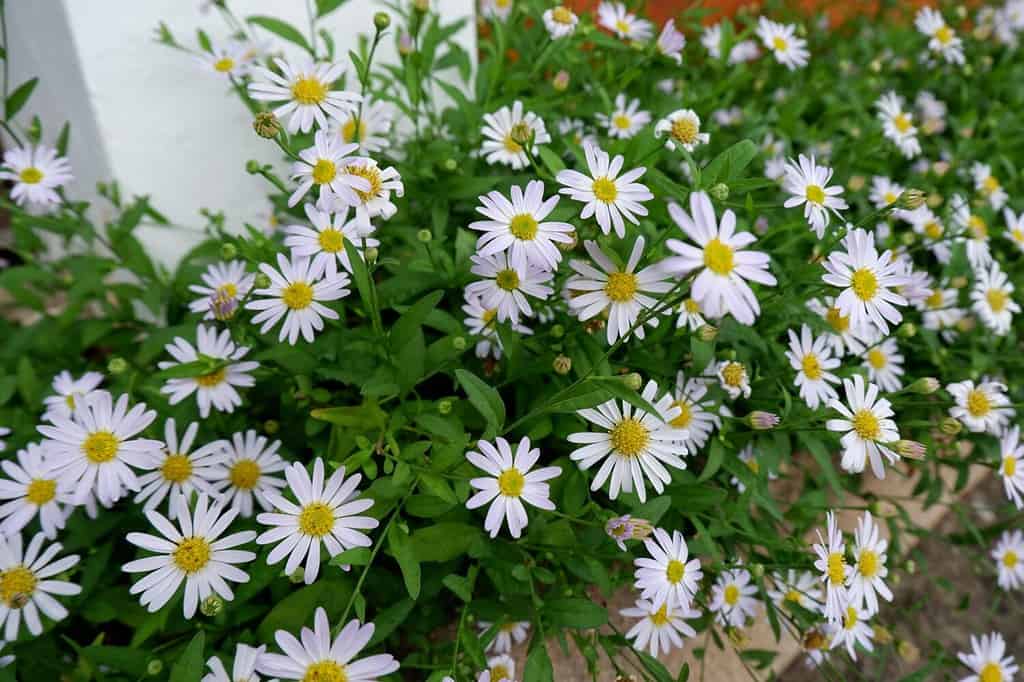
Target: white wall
<point>148,115</point>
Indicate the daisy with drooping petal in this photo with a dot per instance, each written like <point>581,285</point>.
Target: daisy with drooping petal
<point>933,112</point>
<point>33,490</point>
<point>326,165</point>
<point>925,223</point>
<point>518,227</point>
<point>247,471</point>
<point>224,285</point>
<point>374,125</point>
<point>305,89</point>
<point>626,119</point>
<point>325,241</point>
<point>68,391</point>
<point>1009,558</point>
<point>867,428</point>
<point>831,563</point>
<point>941,312</point>
<point>505,287</point>
<point>622,528</point>
<point>193,553</point>
<point>866,581</point>
<point>507,131</point>
<point>671,42</point>
<point>682,128</point>
<point>218,388</point>
<point>661,628</point>
<point>898,124</point>
<point>373,202</point>
<point>734,378</point>
<point>296,294</point>
<point>616,18</point>
<point>605,193</point>
<point>689,316</point>
<point>979,249</point>
<point>781,40</point>
<point>942,39</point>
<point>808,182</point>
<point>636,445</point>
<point>509,483</point>
<point>884,364</point>
<point>243,670</point>
<point>1014,227</point>
<point>842,337</point>
<point>853,630</point>
<point>95,449</point>
<point>315,656</point>
<point>981,407</point>
<point>812,359</point>
<point>175,473</point>
<point>667,576</point>
<point>500,668</point>
<point>884,192</point>
<point>992,298</point>
<point>988,660</point>
<point>328,512</point>
<point>230,59</point>
<point>800,588</point>
<point>867,280</point>
<point>37,172</point>
<point>1011,465</point>
<point>481,323</point>
<point>621,292</point>
<point>720,254</point>
<point>27,586</point>
<point>513,632</point>
<point>732,598</point>
<point>695,416</point>
<point>560,21</point>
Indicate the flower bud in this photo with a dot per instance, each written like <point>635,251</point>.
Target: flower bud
<point>117,365</point>
<point>911,449</point>
<point>405,45</point>
<point>924,386</point>
<point>154,667</point>
<point>422,6</point>
<point>211,606</point>
<point>266,125</point>
<point>228,251</point>
<point>252,166</point>
<point>562,364</point>
<point>719,191</point>
<point>262,281</point>
<point>738,637</point>
<point>459,343</point>
<point>907,651</point>
<point>444,406</point>
<point>910,566</point>
<point>223,306</point>
<point>958,282</point>
<point>757,570</point>
<point>561,81</point>
<point>425,236</point>
<point>907,330</point>
<point>557,331</point>
<point>297,576</point>
<point>911,199</point>
<point>370,254</point>
<point>271,426</point>
<point>633,380</point>
<point>568,246</point>
<point>381,20</point>
<point>855,183</point>
<point>762,421</point>
<point>622,528</point>
<point>450,165</point>
<point>934,200</point>
<point>707,333</point>
<point>950,426</point>
<point>882,634</point>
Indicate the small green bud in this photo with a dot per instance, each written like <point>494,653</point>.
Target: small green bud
<point>924,386</point>
<point>444,406</point>
<point>907,651</point>
<point>425,236</point>
<point>117,365</point>
<point>562,364</point>
<point>950,426</point>
<point>719,191</point>
<point>266,125</point>
<point>421,6</point>
<point>911,199</point>
<point>757,570</point>
<point>910,566</point>
<point>634,381</point>
<point>381,20</point>
<point>297,576</point>
<point>211,606</point>
<point>271,426</point>
<point>907,330</point>
<point>450,165</point>
<point>561,81</point>
<point>154,667</point>
<point>371,253</point>
<point>459,343</point>
<point>228,251</point>
<point>762,421</point>
<point>262,281</point>
<point>252,166</point>
<point>707,333</point>
<point>557,331</point>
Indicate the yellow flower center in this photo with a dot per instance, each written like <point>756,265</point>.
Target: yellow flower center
<point>811,366</point>
<point>991,672</point>
<point>815,194</point>
<point>989,185</point>
<point>839,322</point>
<point>309,90</point>
<point>489,316</point>
<point>622,27</point>
<point>865,424</point>
<point>523,226</point>
<point>100,446</point>
<point>227,290</point>
<point>69,400</point>
<point>1017,234</point>
<point>978,227</point>
<point>605,190</point>
<point>685,414</point>
<point>932,229</point>
<point>224,64</point>
<point>629,437</point>
<point>660,617</point>
<point>16,586</point>
<point>934,299</point>
<point>212,379</point>
<point>685,130</point>
<point>348,130</point>
<point>1009,466</point>
<point>192,554</point>
<point>297,295</point>
<point>562,14</point>
<point>31,175</point>
<point>621,286</point>
<point>244,474</point>
<point>753,465</point>
<point>944,35</point>
<point>507,279</point>
<point>865,284</point>
<point>889,198</point>
<point>779,44</point>
<point>324,171</point>
<point>675,571</point>
<point>794,596</point>
<point>622,121</point>
<point>331,240</point>
<point>978,404</point>
<point>511,482</point>
<point>691,306</point>
<point>733,374</point>
<point>997,299</point>
<point>877,359</point>
<point>316,519</point>
<point>868,563</point>
<point>176,468</point>
<point>901,122</point>
<point>42,490</point>
<point>511,146</point>
<point>850,619</point>
<point>718,257</point>
<point>731,594</point>
<point>1010,558</point>
<point>326,671</point>
<point>369,172</point>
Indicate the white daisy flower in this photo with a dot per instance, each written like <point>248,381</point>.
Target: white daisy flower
<point>518,227</point>
<point>67,392</point>
<point>742,51</point>
<point>626,119</point>
<point>247,471</point>
<point>305,89</point>
<point>513,632</point>
<point>831,552</point>
<point>933,112</point>
<point>499,669</point>
<point>942,39</point>
<point>560,21</point>
<point>37,173</point>
<point>616,18</point>
<point>925,223</point>
<point>884,364</point>
<point>1009,557</point>
<point>4,431</point>
<point>507,131</point>
<point>732,598</point>
<point>671,42</point>
<point>27,586</point>
<point>372,202</point>
<point>898,124</point>
<point>509,483</point>
<point>733,378</point>
<point>781,40</point>
<point>1011,466</point>
<point>941,313</point>
<point>374,126</point>
<point>866,427</point>
<point>992,299</point>
<point>196,555</point>
<point>1014,227</point>
<point>667,576</point>
<point>175,473</point>
<point>620,291</point>
<point>884,192</point>
<point>296,294</point>
<point>720,254</point>
<point>326,165</point>
<point>315,656</point>
<point>505,287</point>
<point>218,388</point>
<point>604,192</point>
<point>979,252</point>
<point>496,9</point>
<point>634,445</point>
<point>325,241</point>
<point>230,59</point>
<point>853,630</point>
<point>328,512</point>
<point>224,285</point>
<point>33,490</point>
<point>800,588</point>
<point>867,281</point>
<point>5,660</point>
<point>812,359</point>
<point>988,660</point>
<point>660,628</point>
<point>749,458</point>
<point>866,581</point>
<point>243,670</point>
<point>694,417</point>
<point>689,316</point>
<point>981,407</point>
<point>808,182</point>
<point>842,337</point>
<point>95,449</point>
<point>988,185</point>
<point>682,127</point>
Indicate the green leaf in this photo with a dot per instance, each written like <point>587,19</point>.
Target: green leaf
<point>575,613</point>
<point>357,556</point>
<point>365,417</point>
<point>282,29</point>
<point>398,541</point>
<point>655,667</point>
<point>715,456</point>
<point>324,7</point>
<point>820,454</point>
<point>63,138</point>
<point>124,659</point>
<point>485,399</point>
<point>460,585</point>
<point>684,673</point>
<point>617,388</point>
<point>28,382</point>
<point>444,541</point>
<point>538,663</point>
<point>552,160</point>
<point>654,509</point>
<point>189,667</point>
<point>17,99</point>
<point>730,163</point>
<point>361,276</point>
<point>412,319</point>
